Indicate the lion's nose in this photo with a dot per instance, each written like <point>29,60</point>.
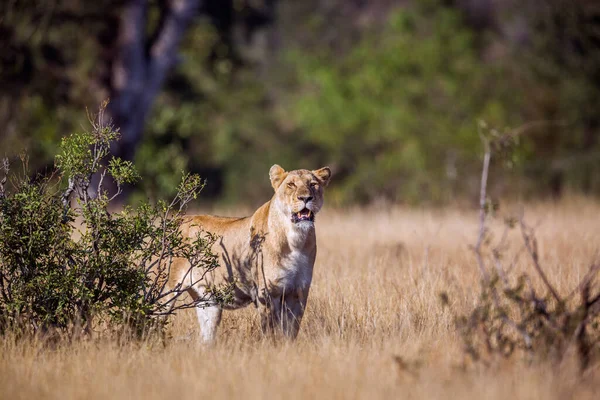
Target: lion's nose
<point>305,199</point>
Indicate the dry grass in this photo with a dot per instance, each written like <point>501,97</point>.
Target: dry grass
<point>375,296</point>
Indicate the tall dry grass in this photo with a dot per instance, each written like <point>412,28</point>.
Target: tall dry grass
<point>375,297</point>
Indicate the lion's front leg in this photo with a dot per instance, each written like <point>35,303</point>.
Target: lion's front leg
<point>291,315</point>
<point>282,314</point>
<point>209,315</point>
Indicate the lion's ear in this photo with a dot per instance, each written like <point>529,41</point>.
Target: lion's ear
<point>277,175</point>
<point>324,174</point>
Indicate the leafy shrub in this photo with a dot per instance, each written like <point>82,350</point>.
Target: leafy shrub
<point>65,267</point>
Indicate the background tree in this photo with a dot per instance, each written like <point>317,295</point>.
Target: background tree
<point>389,92</point>
<point>61,54</point>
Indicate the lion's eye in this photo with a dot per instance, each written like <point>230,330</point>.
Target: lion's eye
<point>313,184</point>
<point>291,185</point>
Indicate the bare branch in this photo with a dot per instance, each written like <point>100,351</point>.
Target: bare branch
<point>65,197</point>
<point>100,183</point>
<point>482,209</point>
<point>528,126</point>
<point>586,281</point>
<point>5,168</point>
<point>531,246</point>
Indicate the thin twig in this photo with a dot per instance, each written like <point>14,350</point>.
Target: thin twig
<point>66,198</point>
<point>587,279</point>
<point>531,246</point>
<point>482,210</point>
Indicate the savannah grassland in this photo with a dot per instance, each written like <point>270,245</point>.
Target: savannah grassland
<point>375,297</point>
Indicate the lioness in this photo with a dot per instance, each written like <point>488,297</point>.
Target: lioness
<point>267,257</point>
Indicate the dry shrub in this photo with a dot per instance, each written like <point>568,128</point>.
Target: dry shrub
<point>515,316</point>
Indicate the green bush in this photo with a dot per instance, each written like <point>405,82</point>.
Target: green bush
<point>64,267</point>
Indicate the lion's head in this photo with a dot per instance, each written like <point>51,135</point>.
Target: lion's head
<point>299,193</point>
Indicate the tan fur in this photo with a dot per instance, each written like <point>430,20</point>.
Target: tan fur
<point>267,256</point>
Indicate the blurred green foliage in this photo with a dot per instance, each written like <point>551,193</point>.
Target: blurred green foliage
<point>392,104</point>
<point>397,114</point>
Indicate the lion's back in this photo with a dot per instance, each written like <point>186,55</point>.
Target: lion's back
<point>231,233</point>
<point>216,225</point>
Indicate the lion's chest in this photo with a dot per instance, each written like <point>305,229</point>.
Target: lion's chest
<point>294,272</point>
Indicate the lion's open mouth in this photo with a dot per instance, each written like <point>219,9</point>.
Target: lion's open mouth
<point>303,215</point>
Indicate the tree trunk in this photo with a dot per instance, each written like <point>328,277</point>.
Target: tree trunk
<point>142,64</point>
